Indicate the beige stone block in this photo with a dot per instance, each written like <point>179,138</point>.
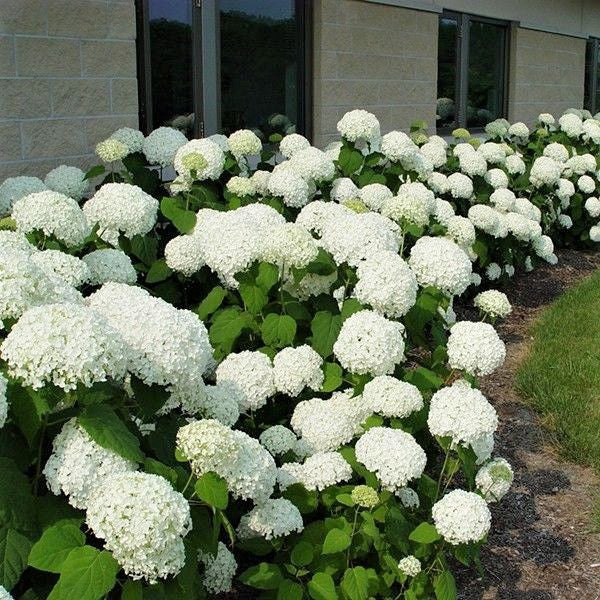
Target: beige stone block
<point>124,96</point>
<point>22,98</point>
<point>87,19</point>
<point>354,66</point>
<point>54,138</point>
<point>7,55</point>
<point>48,57</point>
<point>328,65</point>
<point>80,97</point>
<point>10,148</point>
<point>23,16</point>
<point>99,128</point>
<point>335,37</point>
<point>108,58</point>
<point>121,20</point>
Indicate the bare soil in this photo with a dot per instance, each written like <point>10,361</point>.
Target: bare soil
<point>541,546</point>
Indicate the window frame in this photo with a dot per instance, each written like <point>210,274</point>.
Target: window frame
<point>461,83</point>
<point>206,70</point>
<point>591,76</point>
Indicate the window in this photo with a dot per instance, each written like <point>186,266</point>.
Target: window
<point>592,76</point>
<point>472,58</point>
<point>221,65</point>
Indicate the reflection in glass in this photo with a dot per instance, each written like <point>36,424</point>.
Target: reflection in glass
<point>259,65</point>
<point>446,84</point>
<point>486,73</point>
<point>170,29</point>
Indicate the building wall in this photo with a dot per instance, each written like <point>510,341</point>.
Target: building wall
<point>372,56</point>
<point>546,73</point>
<point>67,80</point>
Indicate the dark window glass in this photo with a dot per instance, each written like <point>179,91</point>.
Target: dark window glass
<point>259,64</point>
<point>170,39</point>
<point>590,75</point>
<point>486,73</point>
<point>447,69</point>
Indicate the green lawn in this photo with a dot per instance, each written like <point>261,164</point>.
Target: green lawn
<point>561,376</point>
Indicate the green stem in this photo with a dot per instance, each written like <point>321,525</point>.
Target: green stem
<point>351,536</point>
<point>439,483</point>
<point>187,483</point>
<point>38,466</point>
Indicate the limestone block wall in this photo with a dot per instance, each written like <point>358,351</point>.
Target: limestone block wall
<point>378,57</point>
<point>67,80</point>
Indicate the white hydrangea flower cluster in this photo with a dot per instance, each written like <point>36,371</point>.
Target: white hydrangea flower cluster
<point>571,124</point>
<point>515,165</point>
<point>289,245</point>
<point>241,186</point>
<point>386,283</point>
<point>319,471</point>
<point>142,521</point>
<point>475,348</point>
<point>459,186</point>
<point>370,343</point>
<point>359,125</point>
<point>15,188</point>
<point>343,189</point>
<point>54,214</point>
<point>493,303</point>
<point>374,195</point>
<point>241,460</point>
<point>78,465</point>
<point>410,566</point>
<point>244,142</point>
<point>390,397</point>
<point>132,138</point>
<point>557,152</point>
<point>592,206</point>
<point>65,267</point>
<point>497,178</point>
<point>109,264</point>
<point>3,400</point>
<point>414,203</point>
<point>312,164</point>
<point>276,517</point>
<point>69,181</point>
<point>461,517</point>
<point>494,478</point>
<point>289,186</point>
<point>292,143</point>
<point>544,171</point>
<point>392,454</point>
<point>461,231</point>
<point>219,570</point>
<point>295,369</point>
<point>121,208</point>
<point>161,145</point>
<point>111,150</point>
<point>65,345</point>
<point>461,413</point>
<point>441,263</point>
<point>278,439</point>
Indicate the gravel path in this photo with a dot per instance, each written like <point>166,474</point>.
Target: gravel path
<point>541,546</point>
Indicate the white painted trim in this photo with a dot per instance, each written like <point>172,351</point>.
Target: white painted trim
<point>423,5</point>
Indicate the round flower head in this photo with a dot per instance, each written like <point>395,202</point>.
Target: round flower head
<point>571,124</point>
<point>290,186</point>
<point>410,566</point>
<point>515,165</point>
<point>15,188</point>
<point>3,401</point>
<point>78,465</point>
<point>343,189</point>
<point>527,209</point>
<point>391,397</point>
<point>369,343</point>
<point>241,186</point>
<point>121,208</point>
<point>244,142</point>
<point>544,171</point>
<point>580,164</point>
<point>595,233</point>
<point>219,570</point>
<point>109,264</point>
<point>359,125</point>
<point>132,138</point>
<point>408,497</point>
<point>297,368</point>
<point>493,271</point>
<point>392,454</point>
<point>565,221</point>
<point>497,178</point>
<point>459,185</point>
<point>557,152</point>
<point>475,348</point>
<point>142,521</point>
<point>441,263</point>
<point>252,374</point>
<point>312,163</point>
<point>543,246</point>
<point>592,206</point>
<point>398,147</point>
<point>318,471</point>
<point>586,184</point>
<point>435,152</point>
<point>183,254</point>
<point>493,303</point>
<point>68,181</point>
<point>472,163</point>
<point>219,402</point>
<point>564,190</point>
<point>365,496</point>
<point>503,200</point>
<point>260,181</point>
<point>461,413</point>
<point>443,211</point>
<point>461,230</point>
<point>519,130</point>
<point>65,345</point>
<point>290,144</point>
<point>461,517</point>
<point>289,245</point>
<point>494,479</point>
<point>276,517</point>
<point>69,269</point>
<point>221,141</point>
<point>386,282</point>
<point>53,214</point>
<point>546,119</point>
<point>161,145</point>
<point>111,150</point>
<point>325,425</point>
<point>199,160</point>
<point>278,439</point>
<point>374,195</point>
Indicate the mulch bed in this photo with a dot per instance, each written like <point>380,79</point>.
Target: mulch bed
<point>541,546</point>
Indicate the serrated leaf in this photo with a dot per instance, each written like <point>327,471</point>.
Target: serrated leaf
<point>211,302</point>
<point>322,587</point>
<point>349,160</point>
<point>424,533</point>
<point>104,426</point>
<point>213,490</point>
<point>87,574</point>
<point>254,297</point>
<point>183,219</point>
<point>333,377</point>
<point>267,277</point>
<point>95,171</point>
<point>150,398</point>
<point>14,550</point>
<point>302,554</point>
<point>325,328</point>
<point>336,540</point>
<point>350,306</point>
<point>17,508</point>
<point>228,326</point>
<point>264,576</point>
<point>355,583</point>
<point>290,590</point>
<point>51,550</point>
<point>144,247</point>
<point>159,271</point>
<point>444,586</point>
<point>278,330</point>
